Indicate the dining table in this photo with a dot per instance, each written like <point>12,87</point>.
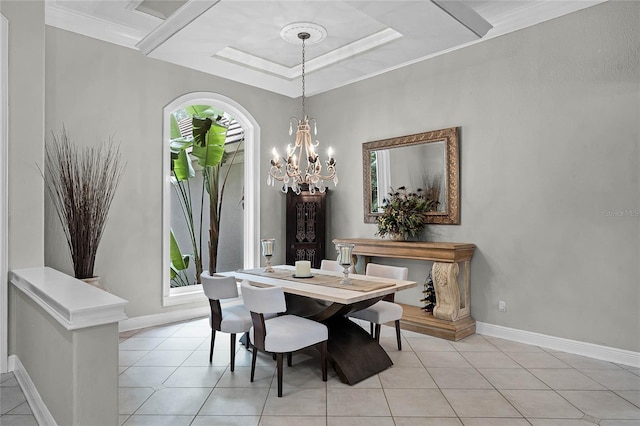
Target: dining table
<point>354,353</point>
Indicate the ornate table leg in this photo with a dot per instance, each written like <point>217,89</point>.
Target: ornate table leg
<point>445,282</point>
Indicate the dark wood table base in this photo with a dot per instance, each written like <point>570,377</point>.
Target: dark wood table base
<point>354,354</point>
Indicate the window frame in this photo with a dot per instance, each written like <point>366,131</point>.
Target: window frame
<point>251,223</point>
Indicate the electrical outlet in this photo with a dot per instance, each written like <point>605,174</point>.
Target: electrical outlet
<point>502,306</point>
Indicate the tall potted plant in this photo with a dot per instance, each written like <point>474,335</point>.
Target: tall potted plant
<point>206,145</point>
<point>81,183</point>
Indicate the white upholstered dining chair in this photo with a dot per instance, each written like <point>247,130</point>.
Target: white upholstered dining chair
<point>282,334</point>
<point>228,319</point>
<point>334,265</point>
<point>385,310</point>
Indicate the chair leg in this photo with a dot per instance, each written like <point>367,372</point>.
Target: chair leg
<point>246,338</point>
<point>323,359</point>
<point>398,335</point>
<point>377,333</point>
<point>279,368</point>
<point>253,362</point>
<point>213,339</point>
<point>371,330</point>
<point>233,351</point>
<point>289,359</point>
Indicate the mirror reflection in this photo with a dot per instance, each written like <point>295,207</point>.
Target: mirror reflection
<point>417,166</point>
<point>427,160</point>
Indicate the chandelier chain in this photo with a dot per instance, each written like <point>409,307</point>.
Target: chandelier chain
<point>304,114</point>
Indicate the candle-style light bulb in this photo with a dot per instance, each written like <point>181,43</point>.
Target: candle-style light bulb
<point>330,152</point>
<point>276,156</point>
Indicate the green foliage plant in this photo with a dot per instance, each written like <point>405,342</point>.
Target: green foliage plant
<point>403,213</point>
<point>179,264</point>
<point>206,145</point>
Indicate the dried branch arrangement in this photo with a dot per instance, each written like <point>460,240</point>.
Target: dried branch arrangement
<point>82,183</point>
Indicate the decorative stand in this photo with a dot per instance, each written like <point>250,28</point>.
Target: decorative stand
<point>267,252</point>
<point>451,317</point>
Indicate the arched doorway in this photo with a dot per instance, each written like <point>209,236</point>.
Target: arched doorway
<point>251,219</point>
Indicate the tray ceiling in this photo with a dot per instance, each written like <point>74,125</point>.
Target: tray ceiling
<point>240,40</point>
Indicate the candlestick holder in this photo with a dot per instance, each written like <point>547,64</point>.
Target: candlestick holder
<point>267,251</point>
<point>345,253</point>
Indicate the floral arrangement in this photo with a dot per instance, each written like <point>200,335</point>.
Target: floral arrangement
<point>403,213</point>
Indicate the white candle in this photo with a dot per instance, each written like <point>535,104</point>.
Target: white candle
<point>303,268</point>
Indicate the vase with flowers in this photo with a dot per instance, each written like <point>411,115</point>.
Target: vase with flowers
<point>403,214</point>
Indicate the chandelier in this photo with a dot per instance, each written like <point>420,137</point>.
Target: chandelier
<point>290,170</point>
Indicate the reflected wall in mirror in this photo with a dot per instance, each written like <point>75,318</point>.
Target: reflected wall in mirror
<point>425,160</point>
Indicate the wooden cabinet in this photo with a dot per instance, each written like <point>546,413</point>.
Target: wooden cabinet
<point>305,236</point>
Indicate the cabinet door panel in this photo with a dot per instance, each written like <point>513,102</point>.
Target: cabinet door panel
<point>305,234</point>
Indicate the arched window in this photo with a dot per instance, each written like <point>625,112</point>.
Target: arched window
<point>239,117</point>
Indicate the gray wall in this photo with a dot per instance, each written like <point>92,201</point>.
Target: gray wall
<point>97,89</point>
<point>74,371</point>
<point>25,237</point>
<point>26,132</point>
<point>549,151</point>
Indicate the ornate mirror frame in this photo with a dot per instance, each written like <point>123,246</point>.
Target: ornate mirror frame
<point>451,215</point>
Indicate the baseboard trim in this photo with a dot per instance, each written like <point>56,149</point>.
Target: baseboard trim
<point>605,353</point>
<point>153,320</point>
<point>37,405</point>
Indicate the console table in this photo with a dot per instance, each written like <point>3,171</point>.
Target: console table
<point>451,318</point>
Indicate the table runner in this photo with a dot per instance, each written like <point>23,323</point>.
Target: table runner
<point>319,279</point>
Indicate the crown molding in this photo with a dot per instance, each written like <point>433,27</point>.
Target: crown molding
<point>91,26</point>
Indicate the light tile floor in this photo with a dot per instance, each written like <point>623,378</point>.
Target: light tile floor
<point>166,379</point>
<point>14,409</point>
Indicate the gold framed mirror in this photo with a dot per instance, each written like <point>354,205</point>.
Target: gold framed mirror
<point>426,160</point>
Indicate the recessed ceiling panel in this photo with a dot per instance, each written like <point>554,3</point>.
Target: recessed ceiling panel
<point>219,41</point>
<point>240,40</point>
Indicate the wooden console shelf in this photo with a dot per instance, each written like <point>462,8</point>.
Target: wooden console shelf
<point>451,317</point>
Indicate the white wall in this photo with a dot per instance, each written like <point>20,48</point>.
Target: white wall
<point>97,89</point>
<point>549,149</point>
